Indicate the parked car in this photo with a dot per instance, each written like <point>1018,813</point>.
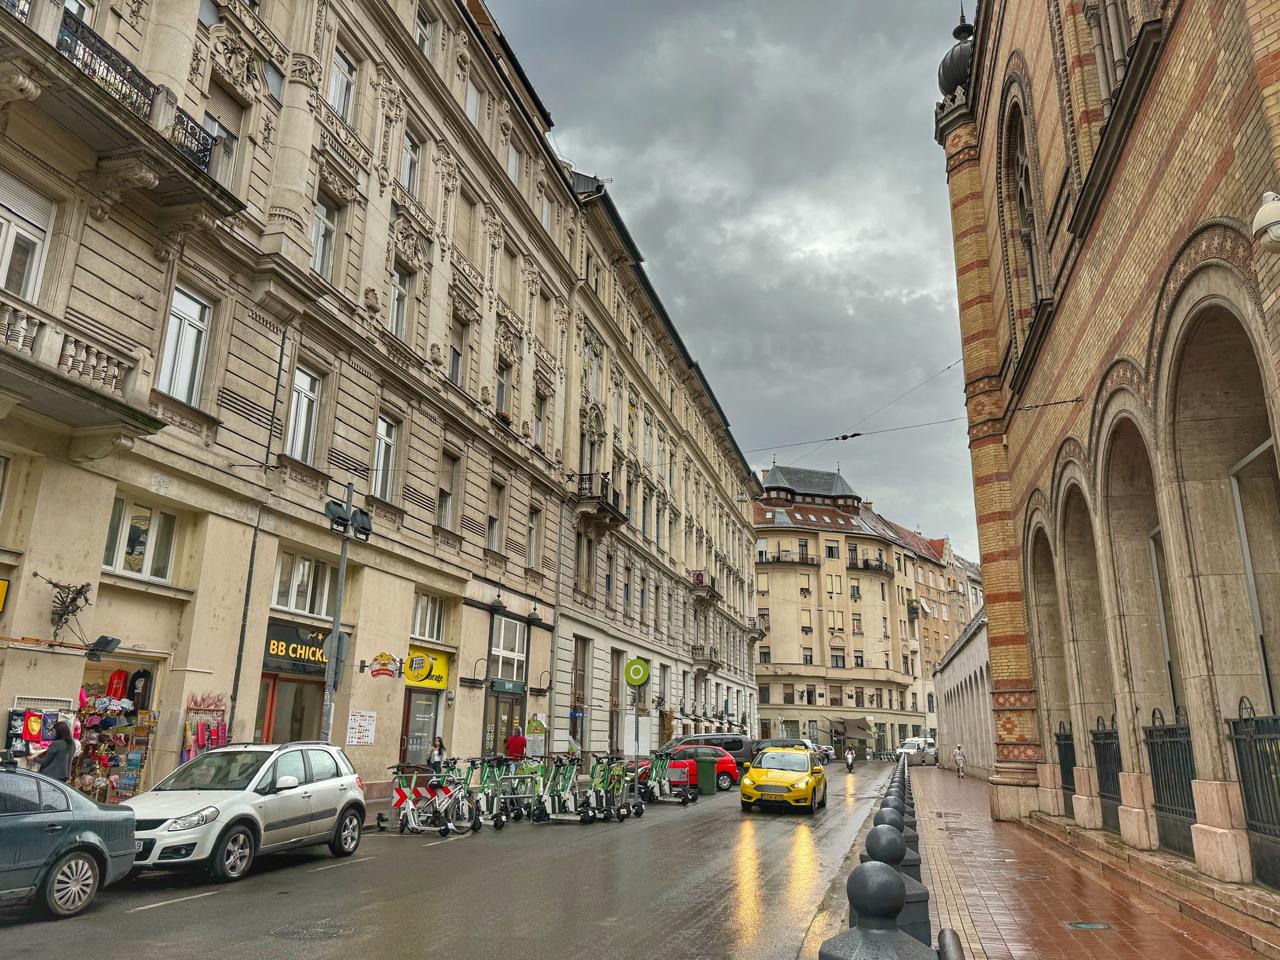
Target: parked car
<point>931,752</point>
<point>735,743</point>
<point>58,845</point>
<point>223,808</point>
<point>913,748</point>
<point>686,755</point>
<point>784,776</point>
<point>826,753</point>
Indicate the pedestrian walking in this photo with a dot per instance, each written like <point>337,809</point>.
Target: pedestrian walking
<point>516,745</point>
<point>438,754</point>
<point>958,758</point>
<point>55,762</point>
<point>848,758</point>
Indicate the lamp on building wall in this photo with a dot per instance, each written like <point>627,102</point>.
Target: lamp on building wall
<point>103,644</point>
<point>1266,223</point>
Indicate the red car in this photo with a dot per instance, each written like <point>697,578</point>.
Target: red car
<point>726,766</point>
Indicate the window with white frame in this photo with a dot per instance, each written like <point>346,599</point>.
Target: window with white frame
<point>497,513</point>
<point>25,218</point>
<point>539,419</point>
<point>304,412</point>
<point>503,392</point>
<point>324,236</point>
<point>513,162</point>
<point>465,218</point>
<point>546,213</point>
<point>305,584</point>
<point>342,83</point>
<point>510,649</point>
<point>449,487</point>
<point>533,539</point>
<point>81,10</point>
<point>474,98</point>
<point>384,458</point>
<point>140,540</point>
<point>410,162</point>
<point>424,31</point>
<point>428,618</point>
<point>185,343</point>
<point>401,298</point>
<point>457,348</point>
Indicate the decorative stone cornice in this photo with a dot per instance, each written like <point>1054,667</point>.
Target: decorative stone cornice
<point>115,175</point>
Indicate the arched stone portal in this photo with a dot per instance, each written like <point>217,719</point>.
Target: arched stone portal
<point>1057,774</point>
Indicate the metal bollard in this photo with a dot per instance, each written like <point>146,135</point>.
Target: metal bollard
<point>884,845</point>
<point>911,861</point>
<point>876,895</point>
<point>908,812</point>
<point>908,834</point>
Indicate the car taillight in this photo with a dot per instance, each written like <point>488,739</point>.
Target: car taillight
<point>359,783</point>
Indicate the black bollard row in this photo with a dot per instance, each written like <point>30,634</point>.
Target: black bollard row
<point>888,905</point>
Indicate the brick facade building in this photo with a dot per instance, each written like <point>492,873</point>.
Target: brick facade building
<point>1105,161</point>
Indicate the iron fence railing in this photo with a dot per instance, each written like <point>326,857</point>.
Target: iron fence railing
<point>19,8</point>
<point>1257,747</point>
<point>192,140</point>
<point>1066,744</point>
<point>787,556</point>
<point>1173,767</point>
<point>1106,758</point>
<point>99,61</point>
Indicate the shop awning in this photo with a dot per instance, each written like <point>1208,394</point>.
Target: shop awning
<point>855,729</point>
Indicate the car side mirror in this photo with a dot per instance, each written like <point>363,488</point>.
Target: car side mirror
<point>816,770</point>
<point>747,765</point>
<point>286,782</point>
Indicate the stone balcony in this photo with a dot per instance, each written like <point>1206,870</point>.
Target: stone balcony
<point>703,588</point>
<point>598,503</point>
<point>706,659</point>
<point>144,140</point>
<point>101,391</point>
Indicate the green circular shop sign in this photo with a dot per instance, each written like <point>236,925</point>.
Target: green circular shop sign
<point>637,672</point>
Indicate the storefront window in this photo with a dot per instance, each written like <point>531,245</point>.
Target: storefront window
<point>139,541</point>
<point>510,647</point>
<point>305,585</point>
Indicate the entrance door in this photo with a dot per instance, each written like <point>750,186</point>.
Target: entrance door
<point>288,709</point>
<point>420,711</point>
<point>505,717</point>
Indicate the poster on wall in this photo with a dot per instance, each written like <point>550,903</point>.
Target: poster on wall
<point>360,728</point>
<point>536,736</point>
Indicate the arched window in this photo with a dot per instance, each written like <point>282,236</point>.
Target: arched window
<point>931,710</point>
<point>1022,223</point>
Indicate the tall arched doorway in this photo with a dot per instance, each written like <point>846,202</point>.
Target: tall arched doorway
<point>1089,650</point>
<point>1225,463</point>
<point>1051,667</point>
<point>1155,691</point>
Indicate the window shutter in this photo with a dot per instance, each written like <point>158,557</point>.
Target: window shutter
<point>225,109</point>
<point>28,204</point>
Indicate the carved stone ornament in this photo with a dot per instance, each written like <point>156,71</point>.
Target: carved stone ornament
<point>437,355</point>
<point>235,63</point>
<point>115,175</point>
<point>266,129</point>
<point>486,397</point>
<point>18,81</point>
<point>178,228</point>
<point>305,70</point>
<point>196,74</point>
<point>464,55</point>
<point>392,110</point>
<point>371,301</point>
<point>508,343</point>
<point>254,29</point>
<point>336,185</point>
<point>409,244</point>
<point>504,121</point>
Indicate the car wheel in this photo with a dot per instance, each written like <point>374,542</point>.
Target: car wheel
<point>747,807</point>
<point>823,804</point>
<point>346,837</point>
<point>70,885</point>
<point>724,781</point>
<point>232,854</point>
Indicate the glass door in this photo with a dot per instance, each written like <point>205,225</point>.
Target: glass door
<point>420,711</point>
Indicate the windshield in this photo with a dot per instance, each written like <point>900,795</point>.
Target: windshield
<point>795,762</point>
<point>232,770</point>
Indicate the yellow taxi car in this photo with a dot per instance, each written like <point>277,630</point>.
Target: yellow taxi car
<point>784,776</point>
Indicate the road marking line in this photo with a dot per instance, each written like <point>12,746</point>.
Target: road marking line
<point>437,843</point>
<point>165,903</point>
<point>340,863</point>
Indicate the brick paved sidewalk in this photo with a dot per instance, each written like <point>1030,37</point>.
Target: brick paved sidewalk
<point>1010,898</point>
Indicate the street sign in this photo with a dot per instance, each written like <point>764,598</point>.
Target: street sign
<point>506,686</point>
<point>637,672</point>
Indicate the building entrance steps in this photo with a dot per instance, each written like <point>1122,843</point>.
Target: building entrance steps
<point>1012,894</point>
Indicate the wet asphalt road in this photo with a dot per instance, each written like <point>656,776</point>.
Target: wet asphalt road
<point>707,881</point>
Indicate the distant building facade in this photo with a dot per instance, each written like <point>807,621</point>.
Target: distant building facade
<point>962,681</point>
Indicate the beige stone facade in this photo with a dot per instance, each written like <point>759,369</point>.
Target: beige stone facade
<point>855,614</point>
<point>962,682</point>
<point>288,246</point>
<point>1118,314</point>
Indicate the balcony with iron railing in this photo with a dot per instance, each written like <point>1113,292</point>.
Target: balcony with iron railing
<point>598,502</point>
<point>870,565</point>
<point>703,587</point>
<point>143,139</point>
<point>706,658</point>
<point>757,627</point>
<point>787,556</point>
<point>913,609</point>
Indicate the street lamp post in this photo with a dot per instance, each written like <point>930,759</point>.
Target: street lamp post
<point>347,521</point>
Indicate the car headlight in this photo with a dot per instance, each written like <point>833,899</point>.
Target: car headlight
<point>748,782</point>
<point>802,784</point>
<point>197,819</point>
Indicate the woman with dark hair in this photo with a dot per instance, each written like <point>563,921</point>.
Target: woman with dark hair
<point>438,754</point>
<point>56,761</point>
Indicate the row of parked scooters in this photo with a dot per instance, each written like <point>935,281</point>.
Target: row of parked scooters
<point>464,795</point>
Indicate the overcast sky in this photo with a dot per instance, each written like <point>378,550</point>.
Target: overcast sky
<point>775,163</point>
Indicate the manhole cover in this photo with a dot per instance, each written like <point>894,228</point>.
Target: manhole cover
<point>1033,876</point>
<point>1087,925</point>
<point>321,930</point>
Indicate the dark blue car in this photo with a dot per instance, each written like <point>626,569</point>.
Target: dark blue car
<point>58,845</point>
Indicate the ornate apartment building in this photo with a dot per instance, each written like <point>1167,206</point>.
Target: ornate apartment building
<point>855,612</point>
<point>256,253</point>
<point>1109,166</point>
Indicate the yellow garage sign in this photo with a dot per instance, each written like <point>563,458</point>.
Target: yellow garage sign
<point>426,668</point>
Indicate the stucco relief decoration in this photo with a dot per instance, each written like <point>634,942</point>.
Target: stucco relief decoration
<point>317,29</point>
<point>486,396</point>
<point>504,121</point>
<point>18,81</point>
<point>266,128</point>
<point>464,55</point>
<point>508,343</point>
<point>409,244</point>
<point>392,111</point>
<point>113,177</point>
<point>196,74</point>
<point>176,231</point>
<point>130,10</point>
<point>336,184</point>
<point>593,420</point>
<point>450,180</point>
<point>371,301</point>
<point>255,29</point>
<point>493,230</point>
<point>436,355</point>
<point>235,63</point>
<point>1123,375</point>
<point>305,70</point>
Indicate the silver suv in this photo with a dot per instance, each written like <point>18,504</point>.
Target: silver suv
<point>224,807</point>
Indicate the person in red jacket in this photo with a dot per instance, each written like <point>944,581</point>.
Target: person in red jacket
<point>515,745</point>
